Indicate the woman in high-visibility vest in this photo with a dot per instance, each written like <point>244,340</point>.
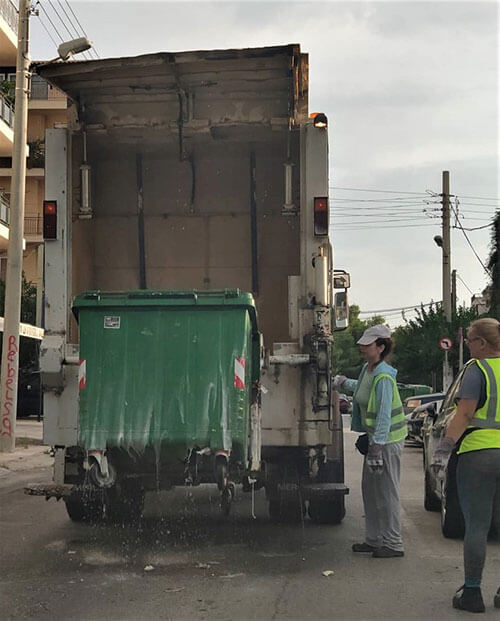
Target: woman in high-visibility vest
<point>377,411</point>
<point>476,423</point>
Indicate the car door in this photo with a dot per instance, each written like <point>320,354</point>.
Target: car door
<point>436,429</point>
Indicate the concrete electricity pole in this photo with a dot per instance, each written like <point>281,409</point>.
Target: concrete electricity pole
<point>10,348</point>
<point>446,247</point>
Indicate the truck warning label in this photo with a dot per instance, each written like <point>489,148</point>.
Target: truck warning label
<point>112,321</point>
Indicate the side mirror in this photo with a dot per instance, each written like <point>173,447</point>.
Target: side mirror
<point>341,310</point>
<point>341,279</point>
<point>431,411</point>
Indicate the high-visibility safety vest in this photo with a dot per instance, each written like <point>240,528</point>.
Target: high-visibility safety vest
<point>488,416</point>
<point>398,430</point>
<point>486,420</point>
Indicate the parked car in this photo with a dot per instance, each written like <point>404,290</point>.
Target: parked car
<point>415,401</point>
<point>417,416</point>
<point>440,494</point>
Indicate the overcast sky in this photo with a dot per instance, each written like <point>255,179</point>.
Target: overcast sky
<point>410,90</point>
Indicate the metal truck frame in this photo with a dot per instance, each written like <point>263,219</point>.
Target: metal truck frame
<point>235,124</point>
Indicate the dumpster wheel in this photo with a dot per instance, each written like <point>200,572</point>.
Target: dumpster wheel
<point>226,488</point>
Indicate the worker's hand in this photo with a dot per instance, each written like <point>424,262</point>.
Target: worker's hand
<point>442,455</point>
<point>338,380</point>
<point>374,459</point>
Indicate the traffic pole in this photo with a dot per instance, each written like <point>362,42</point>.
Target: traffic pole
<point>10,346</point>
<point>446,246</point>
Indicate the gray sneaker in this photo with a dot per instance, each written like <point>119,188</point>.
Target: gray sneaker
<point>496,600</point>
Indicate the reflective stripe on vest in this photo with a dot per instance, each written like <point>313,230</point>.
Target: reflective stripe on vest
<point>398,430</point>
<point>488,416</point>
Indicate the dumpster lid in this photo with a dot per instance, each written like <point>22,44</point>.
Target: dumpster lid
<point>154,298</point>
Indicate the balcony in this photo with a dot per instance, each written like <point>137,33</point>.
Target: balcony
<point>8,32</point>
<point>43,96</point>
<point>33,227</point>
<point>6,127</point>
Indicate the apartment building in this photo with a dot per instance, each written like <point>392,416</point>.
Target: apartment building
<point>47,108</point>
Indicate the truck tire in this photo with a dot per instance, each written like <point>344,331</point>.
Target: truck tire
<point>84,506</point>
<point>431,501</point>
<point>452,521</point>
<point>327,511</point>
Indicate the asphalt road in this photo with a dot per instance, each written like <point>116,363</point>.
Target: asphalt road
<point>185,561</point>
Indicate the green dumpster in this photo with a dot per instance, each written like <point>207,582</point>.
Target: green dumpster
<point>167,373</point>
<point>410,390</point>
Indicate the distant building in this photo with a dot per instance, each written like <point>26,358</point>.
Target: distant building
<point>480,303</point>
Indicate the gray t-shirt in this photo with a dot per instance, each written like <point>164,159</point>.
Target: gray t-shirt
<point>473,385</point>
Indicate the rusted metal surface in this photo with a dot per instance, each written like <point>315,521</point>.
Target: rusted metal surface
<point>213,94</point>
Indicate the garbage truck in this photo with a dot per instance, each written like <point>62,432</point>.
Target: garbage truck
<point>186,215</point>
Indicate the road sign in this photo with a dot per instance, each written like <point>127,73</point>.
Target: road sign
<point>445,343</point>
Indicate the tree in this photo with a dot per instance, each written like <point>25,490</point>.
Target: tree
<point>346,357</point>
<point>28,352</point>
<point>417,356</point>
<point>494,267</point>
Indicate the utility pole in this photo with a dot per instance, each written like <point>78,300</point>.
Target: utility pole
<point>447,372</point>
<point>446,247</point>
<point>10,349</point>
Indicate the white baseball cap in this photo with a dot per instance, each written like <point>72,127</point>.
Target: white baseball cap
<point>370,335</point>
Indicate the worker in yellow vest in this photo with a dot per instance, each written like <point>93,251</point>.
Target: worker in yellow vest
<point>476,424</point>
<point>378,412</point>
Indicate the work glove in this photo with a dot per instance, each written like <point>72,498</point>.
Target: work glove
<point>374,458</point>
<point>442,455</point>
<point>338,380</point>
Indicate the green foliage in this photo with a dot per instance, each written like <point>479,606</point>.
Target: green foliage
<point>417,356</point>
<point>8,90</point>
<point>346,357</point>
<point>29,347</point>
<point>28,301</point>
<point>36,157</point>
<point>494,266</point>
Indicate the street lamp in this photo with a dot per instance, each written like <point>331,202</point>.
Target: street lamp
<point>10,347</point>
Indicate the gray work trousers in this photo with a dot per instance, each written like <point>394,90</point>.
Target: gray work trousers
<point>381,500</point>
<point>478,482</point>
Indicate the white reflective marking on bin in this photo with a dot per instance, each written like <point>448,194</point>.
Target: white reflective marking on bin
<point>82,374</point>
<point>239,373</point>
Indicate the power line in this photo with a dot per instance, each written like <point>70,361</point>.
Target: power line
<point>60,19</point>
<point>463,282</point>
<point>50,21</point>
<point>476,228</point>
<point>85,53</point>
<point>455,211</point>
<point>81,27</point>
<point>399,308</point>
<point>481,198</point>
<point>47,30</point>
<point>334,187</point>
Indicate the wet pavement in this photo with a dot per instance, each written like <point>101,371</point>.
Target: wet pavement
<point>186,561</point>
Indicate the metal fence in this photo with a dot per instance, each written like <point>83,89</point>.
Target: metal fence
<point>39,88</point>
<point>8,11</point>
<point>6,111</point>
<point>32,225</point>
<point>4,208</point>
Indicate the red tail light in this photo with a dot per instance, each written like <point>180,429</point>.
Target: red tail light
<point>321,215</point>
<point>50,219</point>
